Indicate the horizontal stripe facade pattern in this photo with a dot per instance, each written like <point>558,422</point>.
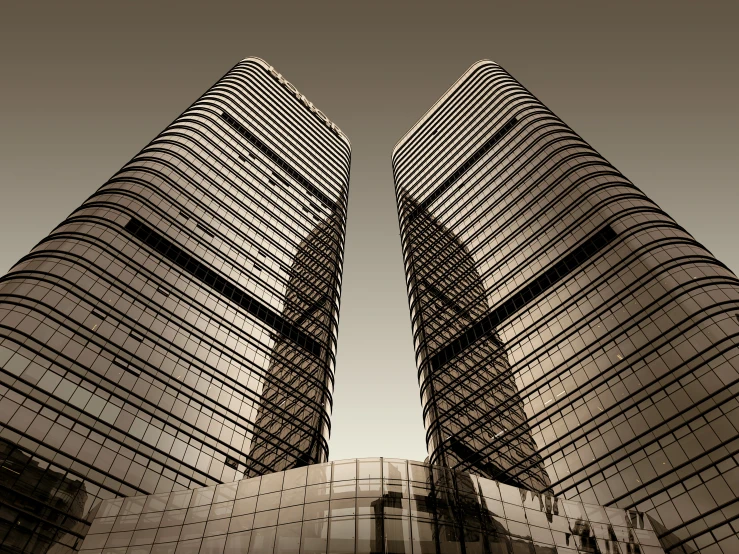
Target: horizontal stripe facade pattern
<point>179,328</point>
<point>616,382</point>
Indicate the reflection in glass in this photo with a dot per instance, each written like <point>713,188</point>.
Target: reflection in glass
<point>292,423</point>
<point>470,401</point>
<point>454,516</point>
<point>41,505</point>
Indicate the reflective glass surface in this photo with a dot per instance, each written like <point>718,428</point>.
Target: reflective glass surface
<point>179,328</point>
<point>570,336</point>
<point>371,506</point>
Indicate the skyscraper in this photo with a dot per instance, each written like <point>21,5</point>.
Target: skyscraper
<point>179,328</point>
<point>570,336</point>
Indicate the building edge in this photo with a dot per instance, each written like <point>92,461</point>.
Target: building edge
<point>475,66</point>
<point>270,68</point>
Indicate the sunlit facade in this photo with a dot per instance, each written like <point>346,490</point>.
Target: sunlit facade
<point>179,328</point>
<point>569,335</point>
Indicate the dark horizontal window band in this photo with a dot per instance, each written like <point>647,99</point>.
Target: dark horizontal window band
<point>239,84</point>
<point>531,242</point>
<point>146,202</point>
<point>99,272</point>
<point>461,170</point>
<point>573,436</point>
<point>221,445</point>
<point>640,395</point>
<point>538,286</point>
<point>277,159</point>
<point>547,133</point>
<point>193,151</point>
<point>429,162</point>
<point>210,278</point>
<point>512,196</point>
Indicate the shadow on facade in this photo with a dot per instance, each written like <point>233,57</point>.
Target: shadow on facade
<point>471,403</point>
<point>292,423</point>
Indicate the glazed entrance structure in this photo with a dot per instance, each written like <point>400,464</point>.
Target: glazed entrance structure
<point>371,505</point>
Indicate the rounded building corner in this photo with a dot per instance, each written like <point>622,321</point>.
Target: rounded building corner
<point>271,69</point>
<point>474,67</point>
<point>257,60</point>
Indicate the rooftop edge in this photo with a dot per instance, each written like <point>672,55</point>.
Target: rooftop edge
<point>308,104</point>
<point>436,104</point>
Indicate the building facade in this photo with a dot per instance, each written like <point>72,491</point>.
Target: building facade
<point>179,328</point>
<point>570,336</point>
<point>371,505</point>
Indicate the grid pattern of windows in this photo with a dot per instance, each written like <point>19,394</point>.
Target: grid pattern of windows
<point>162,334</point>
<point>365,506</point>
<point>621,372</point>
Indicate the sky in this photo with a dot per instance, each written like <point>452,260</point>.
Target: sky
<point>651,85</point>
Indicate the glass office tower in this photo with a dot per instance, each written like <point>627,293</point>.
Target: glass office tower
<point>179,328</point>
<point>570,336</point>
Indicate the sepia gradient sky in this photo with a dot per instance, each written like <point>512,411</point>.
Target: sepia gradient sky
<point>651,85</point>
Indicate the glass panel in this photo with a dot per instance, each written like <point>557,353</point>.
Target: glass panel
<point>317,510</point>
<point>292,497</point>
<point>423,537</point>
<point>217,527</point>
<point>156,502</point>
<point>369,535</point>
<point>449,540</point>
<point>265,519</point>
<point>213,545</point>
<point>474,541</point>
<point>290,515</point>
<point>288,539</point>
<point>369,488</point>
<point>188,547</point>
<point>202,496</point>
<point>370,469</point>
<point>237,543</point>
<point>179,499</point>
<point>196,515</point>
<point>319,474</point>
<point>510,494</point>
<point>343,507</point>
<point>341,536</point>
<point>192,531</point>
<point>314,537</point>
<point>245,506</point>
<point>574,510</point>
<point>345,470</point>
<point>395,469</point>
<point>343,489</point>
<point>262,541</point>
<point>173,517</point>
<point>295,478</point>
<point>489,488</point>
<point>248,487</point>
<point>271,483</point>
<point>164,548</point>
<point>221,510</point>
<point>397,536</point>
<point>225,492</point>
<point>110,507</point>
<point>369,506</point>
<point>596,513</point>
<point>316,493</point>
<point>269,501</point>
<point>241,523</point>
<point>419,473</point>
<point>133,505</point>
